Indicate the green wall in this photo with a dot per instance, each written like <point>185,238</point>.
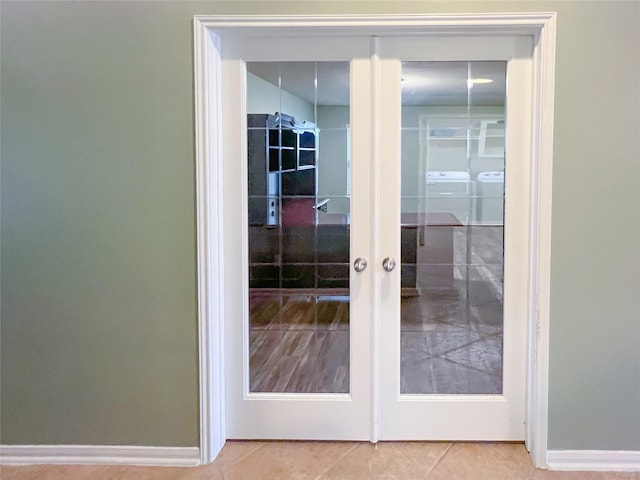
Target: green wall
<point>99,332</point>
<point>99,321</point>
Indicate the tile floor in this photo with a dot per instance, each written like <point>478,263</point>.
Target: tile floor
<point>333,461</point>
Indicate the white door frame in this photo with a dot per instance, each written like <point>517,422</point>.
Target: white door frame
<point>210,194</point>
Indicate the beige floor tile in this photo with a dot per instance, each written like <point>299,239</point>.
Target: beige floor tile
<point>235,451</point>
<point>425,453</point>
<point>484,461</point>
<point>204,472</point>
<point>7,472</point>
<point>288,460</point>
<point>332,460</point>
<point>393,460</point>
<point>68,472</point>
<point>549,475</point>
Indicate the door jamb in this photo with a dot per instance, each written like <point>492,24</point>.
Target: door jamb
<point>208,31</point>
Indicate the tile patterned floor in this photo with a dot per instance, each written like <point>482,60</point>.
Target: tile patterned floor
<point>333,461</point>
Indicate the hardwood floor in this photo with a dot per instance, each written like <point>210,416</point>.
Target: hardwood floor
<point>451,338</point>
<point>299,343</point>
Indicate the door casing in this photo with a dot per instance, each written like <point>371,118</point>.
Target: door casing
<point>209,34</point>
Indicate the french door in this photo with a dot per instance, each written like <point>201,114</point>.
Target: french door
<point>378,189</point>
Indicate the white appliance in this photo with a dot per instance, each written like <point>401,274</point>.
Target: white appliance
<point>490,198</point>
<point>449,191</point>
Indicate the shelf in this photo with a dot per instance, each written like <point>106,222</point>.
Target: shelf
<point>282,162</point>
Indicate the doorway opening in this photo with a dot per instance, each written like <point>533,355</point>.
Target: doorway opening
<point>214,242</point>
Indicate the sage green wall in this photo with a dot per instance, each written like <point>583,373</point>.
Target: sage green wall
<point>99,340</point>
<point>98,231</point>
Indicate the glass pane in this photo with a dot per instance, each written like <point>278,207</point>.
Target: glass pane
<point>453,119</point>
<point>298,166</point>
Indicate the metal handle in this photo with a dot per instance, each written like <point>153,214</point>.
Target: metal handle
<point>360,264</point>
<point>389,264</point>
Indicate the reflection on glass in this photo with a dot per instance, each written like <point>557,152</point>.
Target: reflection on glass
<point>298,174</point>
<point>452,227</point>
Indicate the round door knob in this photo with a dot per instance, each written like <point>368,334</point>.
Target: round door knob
<point>360,264</point>
<point>389,264</point>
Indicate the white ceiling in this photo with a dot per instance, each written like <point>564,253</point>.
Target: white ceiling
<point>424,83</point>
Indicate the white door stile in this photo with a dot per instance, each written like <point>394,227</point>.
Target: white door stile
<point>233,73</point>
<point>374,162</point>
<point>361,287</point>
<point>517,228</point>
<point>388,236</point>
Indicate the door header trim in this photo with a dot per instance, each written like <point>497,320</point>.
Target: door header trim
<point>379,25</point>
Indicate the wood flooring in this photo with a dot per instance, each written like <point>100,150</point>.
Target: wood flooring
<point>451,338</point>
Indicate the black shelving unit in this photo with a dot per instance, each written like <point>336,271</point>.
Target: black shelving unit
<point>282,162</point>
<point>282,157</point>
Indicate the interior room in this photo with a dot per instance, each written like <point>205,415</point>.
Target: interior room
<point>452,209</point>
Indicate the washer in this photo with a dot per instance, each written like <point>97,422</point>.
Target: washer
<point>448,191</point>
<point>490,198</point>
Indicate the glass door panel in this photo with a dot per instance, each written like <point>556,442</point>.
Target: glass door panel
<point>452,197</point>
<point>299,226</point>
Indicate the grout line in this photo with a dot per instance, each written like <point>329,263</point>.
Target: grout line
<point>405,455</point>
<point>339,459</point>
<point>532,472</point>
<point>433,467</point>
<point>251,452</point>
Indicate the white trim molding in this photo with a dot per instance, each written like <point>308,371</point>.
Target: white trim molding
<point>209,35</point>
<point>594,460</point>
<point>99,455</point>
<point>544,61</point>
<point>209,211</point>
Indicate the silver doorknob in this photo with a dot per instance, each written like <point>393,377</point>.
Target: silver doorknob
<point>360,264</point>
<point>389,264</point>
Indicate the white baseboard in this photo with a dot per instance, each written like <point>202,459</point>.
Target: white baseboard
<point>99,454</point>
<point>594,460</point>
